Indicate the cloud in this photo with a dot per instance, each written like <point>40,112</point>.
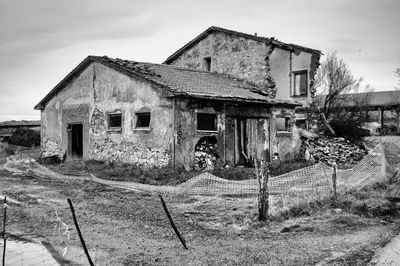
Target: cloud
<point>34,26</point>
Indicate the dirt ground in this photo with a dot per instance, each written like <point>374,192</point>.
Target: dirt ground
<point>127,228</point>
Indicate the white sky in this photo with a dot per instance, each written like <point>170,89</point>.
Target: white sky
<point>41,41</point>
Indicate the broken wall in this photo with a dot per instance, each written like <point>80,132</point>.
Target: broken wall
<point>257,62</point>
<point>187,134</point>
<point>283,64</point>
<point>285,144</point>
<point>233,55</point>
<point>89,99</point>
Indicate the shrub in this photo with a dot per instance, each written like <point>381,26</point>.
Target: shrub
<point>25,137</point>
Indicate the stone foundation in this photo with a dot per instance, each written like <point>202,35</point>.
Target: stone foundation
<point>52,147</point>
<point>127,152</point>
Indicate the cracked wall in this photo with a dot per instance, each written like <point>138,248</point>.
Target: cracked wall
<point>89,98</point>
<point>265,65</point>
<point>237,56</point>
<point>285,144</point>
<point>187,135</point>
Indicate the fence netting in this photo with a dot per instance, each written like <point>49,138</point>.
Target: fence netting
<point>61,244</point>
<point>317,177</point>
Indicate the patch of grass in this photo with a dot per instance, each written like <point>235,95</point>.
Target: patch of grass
<point>234,173</point>
<point>280,168</point>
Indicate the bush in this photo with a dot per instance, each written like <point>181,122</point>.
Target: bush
<point>25,137</point>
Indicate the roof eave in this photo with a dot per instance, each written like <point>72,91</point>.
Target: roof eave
<point>238,99</point>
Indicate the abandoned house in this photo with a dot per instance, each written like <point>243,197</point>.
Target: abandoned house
<point>163,115</point>
<point>286,71</point>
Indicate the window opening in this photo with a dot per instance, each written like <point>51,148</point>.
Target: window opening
<point>300,83</point>
<point>207,63</point>
<point>114,120</point>
<point>142,120</point>
<point>206,122</point>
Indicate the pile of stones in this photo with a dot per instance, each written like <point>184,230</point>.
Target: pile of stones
<point>332,150</point>
<point>206,156</point>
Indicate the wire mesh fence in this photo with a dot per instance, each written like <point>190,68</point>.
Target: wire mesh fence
<point>60,244</point>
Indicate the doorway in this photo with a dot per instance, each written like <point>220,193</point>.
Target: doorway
<point>251,140</point>
<point>75,140</point>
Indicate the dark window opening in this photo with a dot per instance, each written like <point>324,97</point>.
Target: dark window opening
<point>206,122</point>
<point>114,120</point>
<point>143,120</point>
<point>207,63</point>
<point>301,124</point>
<point>300,83</point>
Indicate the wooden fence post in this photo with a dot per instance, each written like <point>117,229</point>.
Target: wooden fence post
<point>263,195</point>
<point>334,177</point>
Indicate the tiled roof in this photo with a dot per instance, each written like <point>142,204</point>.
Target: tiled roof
<point>181,82</point>
<point>272,41</point>
<point>22,123</point>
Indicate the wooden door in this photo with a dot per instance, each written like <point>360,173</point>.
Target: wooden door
<point>251,140</point>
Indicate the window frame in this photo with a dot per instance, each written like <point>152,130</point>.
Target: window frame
<point>295,73</point>
<point>114,128</point>
<point>206,114</point>
<point>138,115</point>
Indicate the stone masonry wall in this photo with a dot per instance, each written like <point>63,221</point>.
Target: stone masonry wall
<point>236,56</point>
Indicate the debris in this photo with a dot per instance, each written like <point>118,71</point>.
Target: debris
<point>333,150</point>
<point>206,156</point>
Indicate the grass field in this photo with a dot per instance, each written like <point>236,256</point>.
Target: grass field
<point>126,228</point>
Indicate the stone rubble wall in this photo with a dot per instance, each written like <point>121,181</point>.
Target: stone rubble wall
<point>127,152</point>
<point>52,147</point>
<point>233,55</point>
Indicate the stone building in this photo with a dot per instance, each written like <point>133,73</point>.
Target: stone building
<point>161,115</point>
<point>286,71</point>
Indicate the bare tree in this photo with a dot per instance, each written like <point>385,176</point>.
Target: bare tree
<point>333,79</point>
<point>397,73</point>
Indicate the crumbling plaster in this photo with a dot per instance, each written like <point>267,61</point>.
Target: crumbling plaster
<point>97,91</point>
<point>285,144</point>
<point>237,56</point>
<point>187,135</point>
<point>254,61</point>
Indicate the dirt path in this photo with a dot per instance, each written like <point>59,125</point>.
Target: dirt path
<point>389,255</point>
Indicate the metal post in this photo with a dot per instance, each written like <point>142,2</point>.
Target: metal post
<point>79,232</point>
<point>172,222</point>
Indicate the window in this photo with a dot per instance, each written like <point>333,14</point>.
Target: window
<point>143,120</point>
<point>300,83</point>
<point>114,120</point>
<point>282,124</point>
<point>206,122</point>
<point>207,63</point>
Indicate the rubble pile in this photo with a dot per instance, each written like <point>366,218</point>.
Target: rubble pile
<point>330,150</point>
<point>206,156</point>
